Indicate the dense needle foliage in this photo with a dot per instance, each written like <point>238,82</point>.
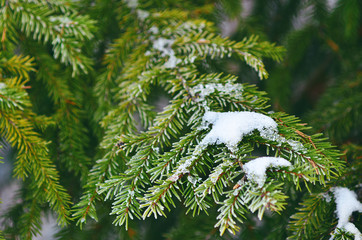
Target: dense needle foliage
<point>105,104</point>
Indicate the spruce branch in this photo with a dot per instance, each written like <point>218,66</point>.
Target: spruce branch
<point>12,95</point>
<point>122,121</point>
<point>31,220</point>
<point>160,168</point>
<point>151,159</point>
<point>113,61</point>
<point>65,33</point>
<point>33,158</point>
<point>18,65</point>
<point>311,218</point>
<point>69,116</point>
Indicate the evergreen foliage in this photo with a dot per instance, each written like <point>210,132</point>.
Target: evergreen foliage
<point>80,105</point>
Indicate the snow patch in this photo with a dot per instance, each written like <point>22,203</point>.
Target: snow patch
<point>64,22</point>
<point>186,27</point>
<point>164,46</point>
<point>350,227</point>
<point>275,137</point>
<point>154,30</point>
<point>346,203</point>
<point>219,170</point>
<point>172,62</point>
<point>193,180</point>
<point>183,168</point>
<point>326,197</point>
<point>230,127</point>
<point>142,14</point>
<point>132,3</point>
<point>234,90</point>
<point>255,169</point>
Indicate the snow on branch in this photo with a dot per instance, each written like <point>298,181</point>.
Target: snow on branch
<point>204,90</point>
<point>347,203</point>
<point>230,127</point>
<point>164,46</point>
<point>255,169</point>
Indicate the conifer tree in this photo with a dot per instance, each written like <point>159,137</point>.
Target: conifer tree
<point>127,125</point>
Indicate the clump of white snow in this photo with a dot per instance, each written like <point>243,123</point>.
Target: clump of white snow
<point>230,127</point>
<point>154,30</point>
<point>172,62</point>
<point>351,228</point>
<point>186,27</point>
<point>346,203</point>
<point>142,14</point>
<point>255,169</point>
<point>132,3</point>
<point>204,90</point>
<point>164,46</point>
